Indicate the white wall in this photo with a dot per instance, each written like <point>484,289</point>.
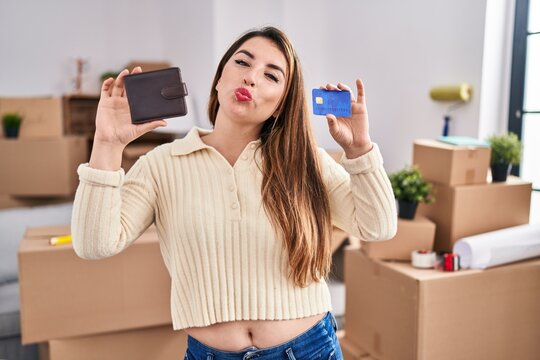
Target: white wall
<point>400,49</point>
<point>41,39</point>
<point>496,69</point>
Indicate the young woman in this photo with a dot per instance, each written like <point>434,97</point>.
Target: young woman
<point>243,212</point>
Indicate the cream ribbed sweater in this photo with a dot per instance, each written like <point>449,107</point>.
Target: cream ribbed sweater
<point>216,240</point>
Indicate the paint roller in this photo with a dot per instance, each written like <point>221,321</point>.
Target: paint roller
<point>459,94</point>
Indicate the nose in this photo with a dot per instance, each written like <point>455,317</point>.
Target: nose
<point>249,82</point>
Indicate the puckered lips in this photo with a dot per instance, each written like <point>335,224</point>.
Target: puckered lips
<point>243,94</point>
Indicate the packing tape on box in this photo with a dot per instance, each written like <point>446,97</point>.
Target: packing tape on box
<point>424,259</point>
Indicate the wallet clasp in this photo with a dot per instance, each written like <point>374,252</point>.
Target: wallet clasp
<point>174,92</point>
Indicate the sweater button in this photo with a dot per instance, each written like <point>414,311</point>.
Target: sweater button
<point>231,188</point>
<point>230,171</point>
<point>244,157</point>
<point>234,205</point>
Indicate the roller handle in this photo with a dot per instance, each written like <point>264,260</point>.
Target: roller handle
<point>446,125</point>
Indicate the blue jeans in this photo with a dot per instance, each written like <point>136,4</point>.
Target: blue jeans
<point>318,342</point>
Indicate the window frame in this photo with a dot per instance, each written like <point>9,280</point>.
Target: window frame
<point>517,83</point>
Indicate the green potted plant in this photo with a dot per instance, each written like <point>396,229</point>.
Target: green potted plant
<point>108,74</point>
<point>410,189</point>
<point>11,123</point>
<point>505,152</point>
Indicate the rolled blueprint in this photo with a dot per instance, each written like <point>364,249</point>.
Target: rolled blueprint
<point>499,247</point>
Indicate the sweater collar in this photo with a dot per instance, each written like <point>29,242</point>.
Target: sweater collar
<point>192,142</point>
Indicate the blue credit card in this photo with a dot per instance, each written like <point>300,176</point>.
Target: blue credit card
<point>334,102</point>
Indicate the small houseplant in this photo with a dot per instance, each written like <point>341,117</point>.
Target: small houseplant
<point>410,189</point>
<point>11,123</point>
<point>505,152</point>
<point>108,74</point>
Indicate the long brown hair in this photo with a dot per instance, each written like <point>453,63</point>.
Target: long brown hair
<point>293,192</point>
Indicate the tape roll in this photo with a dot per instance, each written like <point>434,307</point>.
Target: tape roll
<point>450,262</point>
<point>460,92</point>
<point>424,259</point>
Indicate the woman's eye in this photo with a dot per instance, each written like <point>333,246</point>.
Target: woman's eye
<point>241,62</point>
<point>272,77</point>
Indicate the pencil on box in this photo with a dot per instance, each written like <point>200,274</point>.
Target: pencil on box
<point>57,240</point>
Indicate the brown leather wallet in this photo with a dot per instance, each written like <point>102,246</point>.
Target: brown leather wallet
<point>156,95</point>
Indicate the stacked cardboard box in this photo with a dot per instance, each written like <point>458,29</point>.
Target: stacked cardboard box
<point>56,135</point>
<point>416,234</point>
<point>160,343</point>
<point>132,152</point>
<point>466,204</point>
<point>96,309</point>
<point>41,167</point>
<point>71,303</point>
<point>42,116</point>
<point>351,351</point>
<point>42,161</point>
<point>395,311</point>
<point>9,201</point>
<point>62,295</point>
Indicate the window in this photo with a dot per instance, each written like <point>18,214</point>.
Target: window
<point>524,116</point>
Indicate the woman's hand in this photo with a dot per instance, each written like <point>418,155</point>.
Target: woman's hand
<point>113,119</point>
<point>351,133</point>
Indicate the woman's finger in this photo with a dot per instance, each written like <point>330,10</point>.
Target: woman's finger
<point>149,126</point>
<point>106,87</point>
<point>360,88</point>
<point>332,123</point>
<point>118,87</point>
<point>346,88</point>
<point>331,87</point>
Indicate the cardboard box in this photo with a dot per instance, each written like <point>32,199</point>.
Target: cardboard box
<point>42,116</point>
<point>80,114</point>
<point>133,152</point>
<point>451,164</point>
<point>395,311</point>
<point>351,351</point>
<point>466,210</point>
<point>338,237</point>
<point>62,295</point>
<point>156,343</point>
<point>8,202</point>
<point>41,167</point>
<point>417,234</point>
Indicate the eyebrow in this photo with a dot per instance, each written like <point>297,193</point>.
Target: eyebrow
<point>250,55</point>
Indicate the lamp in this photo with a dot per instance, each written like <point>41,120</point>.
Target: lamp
<point>459,94</point>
